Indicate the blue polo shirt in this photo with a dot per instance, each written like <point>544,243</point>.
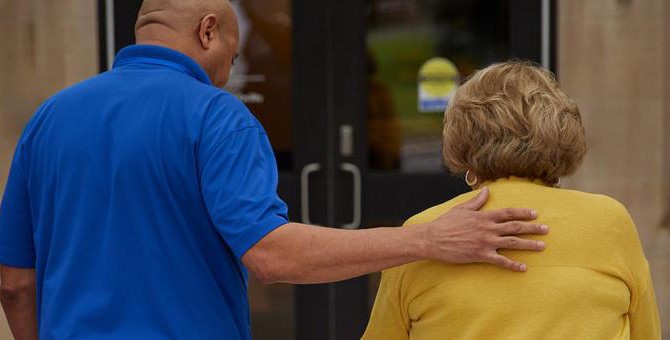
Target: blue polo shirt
<point>134,195</point>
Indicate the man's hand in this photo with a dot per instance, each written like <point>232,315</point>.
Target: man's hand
<point>298,253</point>
<point>466,235</point>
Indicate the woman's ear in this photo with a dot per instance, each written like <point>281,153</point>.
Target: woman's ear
<point>209,28</point>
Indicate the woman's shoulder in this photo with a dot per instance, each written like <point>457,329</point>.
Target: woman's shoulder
<point>583,216</point>
<point>436,211</point>
<point>604,205</point>
<point>571,201</point>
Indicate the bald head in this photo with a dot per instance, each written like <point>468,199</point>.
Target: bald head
<point>179,15</point>
<point>205,30</point>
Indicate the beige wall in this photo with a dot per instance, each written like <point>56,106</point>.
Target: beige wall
<point>614,61</point>
<point>45,45</point>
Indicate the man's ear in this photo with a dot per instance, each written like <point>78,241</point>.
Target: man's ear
<point>209,28</point>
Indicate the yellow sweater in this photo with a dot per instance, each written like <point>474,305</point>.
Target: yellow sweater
<point>592,281</point>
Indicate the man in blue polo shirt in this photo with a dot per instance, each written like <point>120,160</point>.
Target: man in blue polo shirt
<point>138,199</point>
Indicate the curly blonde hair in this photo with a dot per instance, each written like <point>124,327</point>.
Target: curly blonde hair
<point>513,119</point>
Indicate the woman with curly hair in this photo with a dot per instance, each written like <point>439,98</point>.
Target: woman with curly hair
<point>512,129</point>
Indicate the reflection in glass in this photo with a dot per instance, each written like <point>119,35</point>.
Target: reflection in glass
<point>383,128</point>
<point>272,313</point>
<point>261,78</point>
<point>402,36</point>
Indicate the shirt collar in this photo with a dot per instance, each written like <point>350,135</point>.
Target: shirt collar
<point>513,179</point>
<point>157,55</point>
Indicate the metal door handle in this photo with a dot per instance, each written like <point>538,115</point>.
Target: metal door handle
<point>304,190</point>
<point>356,173</point>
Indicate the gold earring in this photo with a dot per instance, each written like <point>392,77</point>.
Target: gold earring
<point>557,183</point>
<point>467,179</point>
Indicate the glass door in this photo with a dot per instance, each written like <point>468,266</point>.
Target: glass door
<point>351,94</point>
<point>395,64</point>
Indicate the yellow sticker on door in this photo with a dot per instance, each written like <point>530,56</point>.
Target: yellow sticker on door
<point>438,80</point>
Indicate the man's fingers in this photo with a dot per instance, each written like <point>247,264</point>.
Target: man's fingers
<point>521,228</point>
<point>477,202</point>
<point>519,244</point>
<point>506,263</point>
<point>511,214</point>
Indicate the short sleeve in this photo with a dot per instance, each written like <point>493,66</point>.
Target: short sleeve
<point>239,186</point>
<point>389,319</point>
<point>643,311</point>
<point>644,318</point>
<point>17,248</point>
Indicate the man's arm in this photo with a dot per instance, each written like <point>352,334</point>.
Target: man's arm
<point>18,296</point>
<point>298,253</point>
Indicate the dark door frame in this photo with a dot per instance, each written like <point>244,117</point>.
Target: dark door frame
<point>329,91</point>
<point>532,33</point>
